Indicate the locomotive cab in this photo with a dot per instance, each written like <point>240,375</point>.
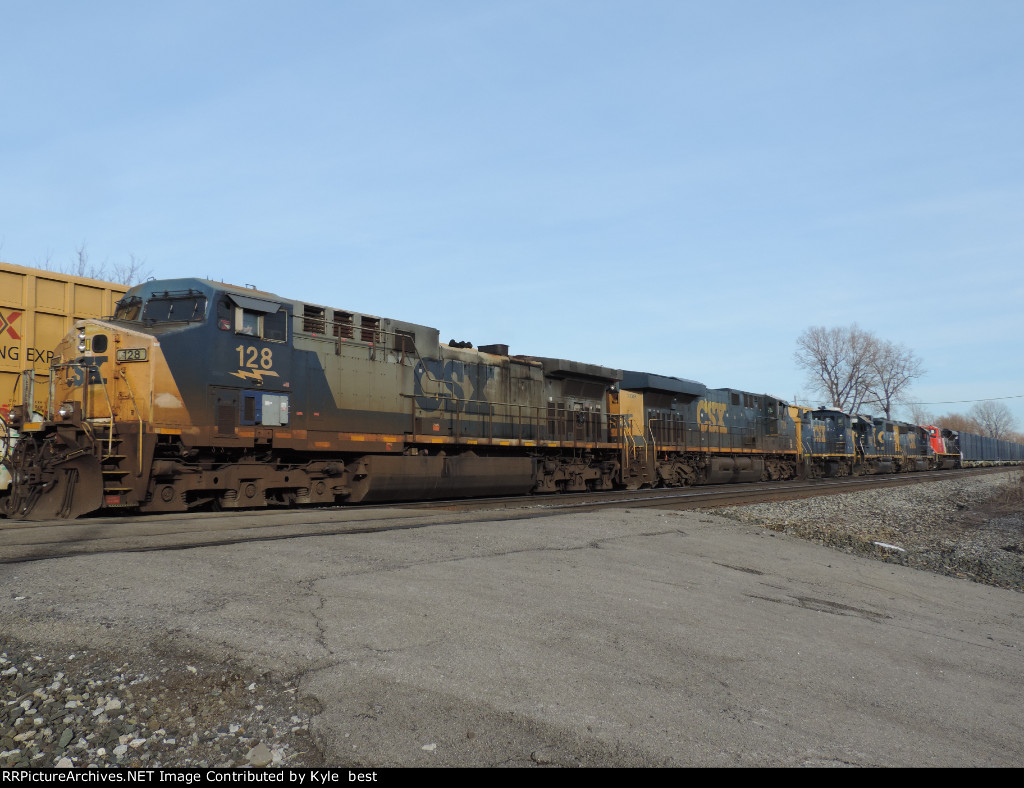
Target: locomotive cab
<point>943,448</point>
<point>120,390</point>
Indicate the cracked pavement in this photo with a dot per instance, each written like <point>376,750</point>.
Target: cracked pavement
<point>620,638</point>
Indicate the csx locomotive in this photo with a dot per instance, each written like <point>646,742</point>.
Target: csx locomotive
<point>196,393</point>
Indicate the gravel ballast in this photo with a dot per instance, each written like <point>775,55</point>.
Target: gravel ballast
<point>971,527</point>
<point>80,708</point>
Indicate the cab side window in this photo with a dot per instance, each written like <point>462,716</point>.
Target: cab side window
<point>247,322</point>
<point>269,326</point>
<point>275,326</point>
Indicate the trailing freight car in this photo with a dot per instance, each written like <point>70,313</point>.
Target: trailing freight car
<point>37,308</point>
<point>979,449</point>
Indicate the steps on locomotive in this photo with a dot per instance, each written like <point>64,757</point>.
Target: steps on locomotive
<point>110,467</point>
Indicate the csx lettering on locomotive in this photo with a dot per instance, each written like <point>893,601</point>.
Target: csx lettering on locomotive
<point>712,416</point>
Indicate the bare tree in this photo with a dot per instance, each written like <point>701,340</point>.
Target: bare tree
<point>132,272</point>
<point>893,368</point>
<point>958,422</point>
<point>994,418</point>
<point>46,263</point>
<point>129,273</point>
<point>81,266</point>
<point>919,414</point>
<point>839,363</point>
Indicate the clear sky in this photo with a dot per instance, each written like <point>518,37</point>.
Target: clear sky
<point>665,185</point>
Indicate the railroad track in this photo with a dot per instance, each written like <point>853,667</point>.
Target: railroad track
<point>31,541</point>
<point>711,496</point>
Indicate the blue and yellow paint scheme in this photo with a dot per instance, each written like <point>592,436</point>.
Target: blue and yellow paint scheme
<point>826,442</point>
<point>691,434</point>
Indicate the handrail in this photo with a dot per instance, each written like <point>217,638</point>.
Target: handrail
<point>515,414</point>
<point>124,377</point>
<point>110,407</point>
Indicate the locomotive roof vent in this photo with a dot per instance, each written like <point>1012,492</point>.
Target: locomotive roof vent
<point>497,350</point>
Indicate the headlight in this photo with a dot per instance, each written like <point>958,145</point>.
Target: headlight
<point>66,410</point>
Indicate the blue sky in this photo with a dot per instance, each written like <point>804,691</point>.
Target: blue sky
<point>673,186</point>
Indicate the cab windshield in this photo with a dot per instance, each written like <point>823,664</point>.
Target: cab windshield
<point>128,308</point>
<point>171,307</point>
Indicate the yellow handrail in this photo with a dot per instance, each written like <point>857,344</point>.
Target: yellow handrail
<point>138,413</point>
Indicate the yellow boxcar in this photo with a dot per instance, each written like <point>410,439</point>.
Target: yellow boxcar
<point>37,309</point>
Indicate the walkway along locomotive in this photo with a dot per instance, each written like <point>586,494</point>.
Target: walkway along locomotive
<point>196,393</point>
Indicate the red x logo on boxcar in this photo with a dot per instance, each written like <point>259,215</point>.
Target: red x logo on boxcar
<point>6,323</point>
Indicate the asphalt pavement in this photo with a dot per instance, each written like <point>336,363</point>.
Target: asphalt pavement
<point>619,638</point>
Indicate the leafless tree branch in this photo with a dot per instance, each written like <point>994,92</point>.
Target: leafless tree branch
<point>893,368</point>
<point>994,418</point>
<point>839,363</point>
<point>129,273</point>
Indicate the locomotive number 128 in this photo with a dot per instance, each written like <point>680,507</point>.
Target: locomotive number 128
<point>253,358</point>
